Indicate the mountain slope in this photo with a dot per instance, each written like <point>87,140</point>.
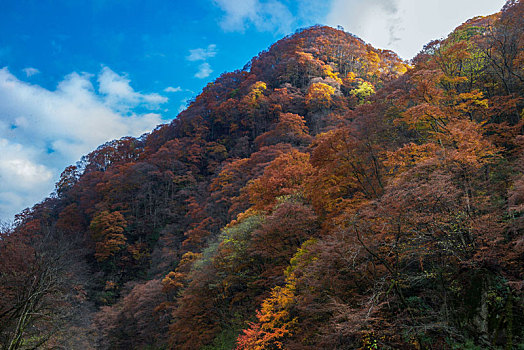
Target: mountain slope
<point>327,195</point>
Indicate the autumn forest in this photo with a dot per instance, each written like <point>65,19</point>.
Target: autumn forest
<point>328,195</point>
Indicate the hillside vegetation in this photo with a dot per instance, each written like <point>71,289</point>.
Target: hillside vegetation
<point>327,196</point>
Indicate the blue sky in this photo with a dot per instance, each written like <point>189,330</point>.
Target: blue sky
<point>77,73</point>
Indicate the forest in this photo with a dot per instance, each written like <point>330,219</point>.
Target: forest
<point>328,195</point>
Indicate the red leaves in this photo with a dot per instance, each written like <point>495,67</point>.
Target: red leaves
<point>347,172</point>
<point>291,128</point>
<point>136,316</point>
<point>406,195</point>
<point>283,232</point>
<point>286,175</point>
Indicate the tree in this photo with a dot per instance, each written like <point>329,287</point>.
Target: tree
<point>37,296</point>
<point>135,321</point>
<point>68,179</point>
<point>319,96</point>
<point>107,230</point>
<point>363,90</point>
<point>274,321</point>
<point>285,175</point>
<point>291,128</point>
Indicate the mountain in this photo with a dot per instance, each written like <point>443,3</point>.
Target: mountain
<point>328,195</point>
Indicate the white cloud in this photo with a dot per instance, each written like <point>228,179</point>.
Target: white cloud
<point>405,26</point>
<point>17,166</point>
<point>264,15</point>
<point>173,89</point>
<point>30,71</point>
<point>42,131</point>
<point>204,70</point>
<point>202,54</point>
<point>120,95</point>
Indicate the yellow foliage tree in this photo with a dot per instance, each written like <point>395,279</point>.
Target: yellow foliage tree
<point>256,91</point>
<point>319,96</point>
<point>363,90</point>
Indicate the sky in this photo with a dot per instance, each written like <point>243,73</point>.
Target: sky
<point>77,73</point>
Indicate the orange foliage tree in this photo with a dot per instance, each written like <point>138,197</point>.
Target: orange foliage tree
<point>107,230</point>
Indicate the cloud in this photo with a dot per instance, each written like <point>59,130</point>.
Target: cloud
<point>269,15</point>
<point>20,177</point>
<point>173,89</point>
<point>42,131</point>
<point>204,70</point>
<point>405,26</point>
<point>202,54</point>
<point>17,166</point>
<point>29,71</point>
<point>119,95</point>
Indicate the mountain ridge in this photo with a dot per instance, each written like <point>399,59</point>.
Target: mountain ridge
<point>330,196</point>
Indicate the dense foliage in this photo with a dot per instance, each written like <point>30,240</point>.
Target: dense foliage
<point>328,195</point>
